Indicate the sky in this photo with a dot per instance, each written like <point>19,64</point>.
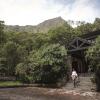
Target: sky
<point>33,12</point>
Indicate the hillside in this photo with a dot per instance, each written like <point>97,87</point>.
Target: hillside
<point>42,27</point>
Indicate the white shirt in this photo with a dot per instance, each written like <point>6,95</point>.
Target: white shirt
<point>74,75</point>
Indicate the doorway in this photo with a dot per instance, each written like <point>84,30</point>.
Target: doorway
<point>78,62</point>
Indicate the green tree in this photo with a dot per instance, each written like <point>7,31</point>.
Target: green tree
<point>93,55</point>
<point>62,35</point>
<point>10,54</point>
<point>96,24</point>
<point>84,28</point>
<point>2,35</point>
<point>47,64</point>
<point>2,41</point>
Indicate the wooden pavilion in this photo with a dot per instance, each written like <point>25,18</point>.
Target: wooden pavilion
<point>77,48</point>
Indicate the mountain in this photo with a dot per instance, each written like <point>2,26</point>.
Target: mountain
<point>49,24</point>
<point>42,27</point>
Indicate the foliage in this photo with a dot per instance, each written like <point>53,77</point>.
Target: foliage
<point>97,78</point>
<point>24,72</point>
<point>10,54</point>
<point>84,28</point>
<point>41,57</point>
<point>2,35</point>
<point>2,41</point>
<point>48,64</point>
<point>96,24</point>
<point>93,55</point>
<point>62,35</point>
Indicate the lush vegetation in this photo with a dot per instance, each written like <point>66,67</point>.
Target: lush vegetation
<point>39,57</point>
<point>93,55</point>
<point>34,57</point>
<point>45,65</point>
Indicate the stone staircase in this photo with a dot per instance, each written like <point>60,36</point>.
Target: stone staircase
<point>85,84</point>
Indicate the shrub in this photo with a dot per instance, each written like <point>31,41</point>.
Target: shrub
<point>97,78</point>
<point>46,65</point>
<point>93,55</point>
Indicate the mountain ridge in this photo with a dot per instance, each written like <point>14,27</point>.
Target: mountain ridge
<point>44,26</point>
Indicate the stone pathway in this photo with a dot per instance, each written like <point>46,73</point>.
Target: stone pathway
<point>85,88</point>
<point>85,84</point>
<point>82,92</point>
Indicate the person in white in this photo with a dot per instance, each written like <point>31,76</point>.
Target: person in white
<point>74,77</point>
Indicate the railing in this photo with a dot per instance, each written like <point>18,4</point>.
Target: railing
<point>10,78</point>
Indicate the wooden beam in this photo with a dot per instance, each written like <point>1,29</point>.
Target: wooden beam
<point>77,43</point>
<point>72,46</point>
<point>84,40</point>
<point>77,49</point>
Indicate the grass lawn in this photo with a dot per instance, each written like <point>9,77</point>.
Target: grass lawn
<point>10,83</point>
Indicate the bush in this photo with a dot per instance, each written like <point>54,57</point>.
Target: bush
<point>23,73</point>
<point>51,63</point>
<point>93,55</point>
<point>97,78</point>
<point>46,65</point>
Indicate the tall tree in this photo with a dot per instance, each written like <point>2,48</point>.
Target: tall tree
<point>10,54</point>
<point>96,24</point>
<point>93,55</point>
<point>62,35</point>
<point>2,35</point>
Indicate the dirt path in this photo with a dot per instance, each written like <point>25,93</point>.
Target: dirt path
<point>35,93</point>
<point>85,84</point>
<point>82,92</point>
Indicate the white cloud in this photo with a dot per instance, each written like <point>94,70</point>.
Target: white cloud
<point>31,12</point>
<point>20,11</point>
<point>83,10</point>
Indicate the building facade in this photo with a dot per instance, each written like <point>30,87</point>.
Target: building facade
<point>77,51</point>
